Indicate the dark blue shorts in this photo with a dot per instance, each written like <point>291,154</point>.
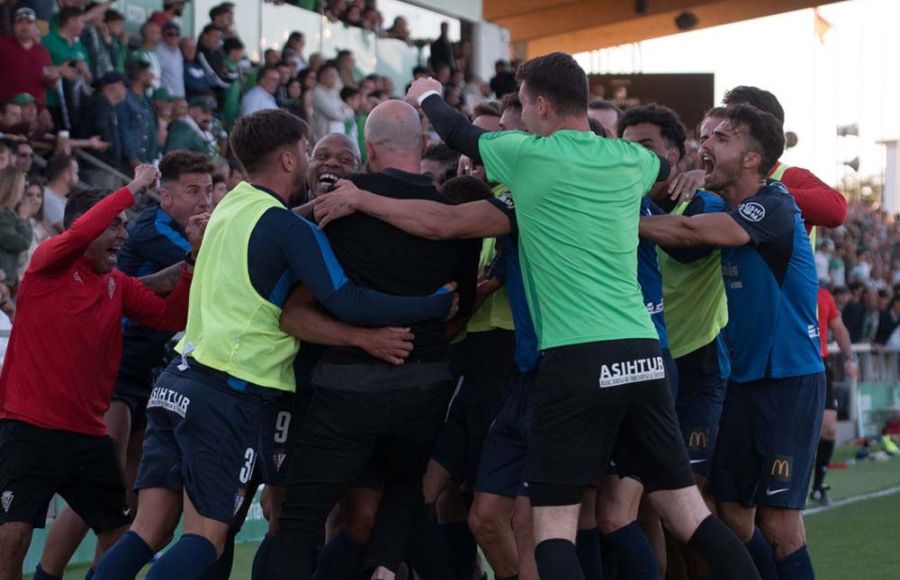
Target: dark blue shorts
<point>502,467</point>
<point>202,437</point>
<point>275,437</point>
<point>703,379</point>
<point>474,405</point>
<point>767,441</point>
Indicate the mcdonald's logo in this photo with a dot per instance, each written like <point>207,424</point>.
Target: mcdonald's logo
<point>781,468</point>
<point>697,440</point>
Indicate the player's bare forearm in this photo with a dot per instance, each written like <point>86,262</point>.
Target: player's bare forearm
<point>163,282</point>
<point>718,229</point>
<point>842,337</point>
<point>303,319</point>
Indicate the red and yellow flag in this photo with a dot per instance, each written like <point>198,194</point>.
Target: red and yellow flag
<point>821,26</point>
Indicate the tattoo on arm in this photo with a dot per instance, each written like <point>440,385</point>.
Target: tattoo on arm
<point>163,282</point>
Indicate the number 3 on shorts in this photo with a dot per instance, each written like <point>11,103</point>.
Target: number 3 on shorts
<point>247,469</point>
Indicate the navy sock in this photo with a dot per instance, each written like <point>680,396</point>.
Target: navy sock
<point>90,574</point>
<point>724,553</point>
<point>797,566</point>
<point>557,560</point>
<point>587,545</point>
<point>341,559</point>
<point>634,555</point>
<point>261,559</point>
<point>761,552</point>
<point>125,559</point>
<point>188,559</point>
<point>462,548</point>
<point>221,570</point>
<point>39,574</point>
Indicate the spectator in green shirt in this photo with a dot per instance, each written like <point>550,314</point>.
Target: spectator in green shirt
<point>65,47</point>
<point>192,132</point>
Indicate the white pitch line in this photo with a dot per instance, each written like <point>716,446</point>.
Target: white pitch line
<point>852,500</point>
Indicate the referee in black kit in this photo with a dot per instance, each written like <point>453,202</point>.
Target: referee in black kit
<point>364,410</point>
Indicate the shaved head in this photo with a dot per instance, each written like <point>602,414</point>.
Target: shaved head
<point>394,126</point>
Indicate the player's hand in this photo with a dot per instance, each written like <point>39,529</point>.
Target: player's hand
<point>391,344</point>
<point>337,203</point>
<point>145,177</point>
<point>851,368</point>
<point>420,87</point>
<point>97,143</point>
<point>684,185</point>
<point>454,307</point>
<point>194,230</point>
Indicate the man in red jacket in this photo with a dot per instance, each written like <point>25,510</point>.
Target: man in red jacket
<point>61,365</point>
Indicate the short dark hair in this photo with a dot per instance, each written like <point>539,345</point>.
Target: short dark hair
<point>325,66</point>
<point>58,164</point>
<point>448,158</point>
<point>603,105</point>
<point>559,79</point>
<point>764,133</point>
<point>510,101</point>
<point>598,127</point>
<point>349,93</point>
<point>68,13</point>
<point>256,137</point>
<point>210,28</point>
<point>670,125</point>
<point>465,189</point>
<point>5,104</point>
<point>487,108</point>
<point>79,203</point>
<point>232,43</point>
<point>217,11</point>
<point>113,15</point>
<point>180,161</point>
<point>759,98</point>
<point>266,68</point>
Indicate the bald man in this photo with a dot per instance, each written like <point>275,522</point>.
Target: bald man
<point>363,410</point>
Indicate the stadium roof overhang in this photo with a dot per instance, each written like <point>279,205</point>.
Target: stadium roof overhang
<point>541,26</point>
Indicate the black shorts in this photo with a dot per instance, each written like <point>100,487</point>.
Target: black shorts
<point>831,401</point>
<point>135,393</point>
<point>36,463</point>
<point>474,405</point>
<point>603,400</point>
<point>202,438</point>
<point>275,437</point>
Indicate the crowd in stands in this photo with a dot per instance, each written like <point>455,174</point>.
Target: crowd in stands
<point>860,263</point>
<point>85,84</point>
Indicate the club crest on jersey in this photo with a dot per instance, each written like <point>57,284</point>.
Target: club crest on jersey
<point>238,502</point>
<point>752,211</point>
<point>278,459</point>
<point>6,500</point>
<point>111,287</point>
<point>633,371</point>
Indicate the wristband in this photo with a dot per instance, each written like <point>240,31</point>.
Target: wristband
<point>426,95</point>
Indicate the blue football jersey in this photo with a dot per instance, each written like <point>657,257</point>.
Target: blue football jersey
<point>772,287</point>
<point>650,280</point>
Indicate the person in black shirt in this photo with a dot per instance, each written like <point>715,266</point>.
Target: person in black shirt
<point>364,410</point>
<point>504,81</point>
<point>99,119</point>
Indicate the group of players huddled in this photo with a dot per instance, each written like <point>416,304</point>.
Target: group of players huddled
<point>572,356</point>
